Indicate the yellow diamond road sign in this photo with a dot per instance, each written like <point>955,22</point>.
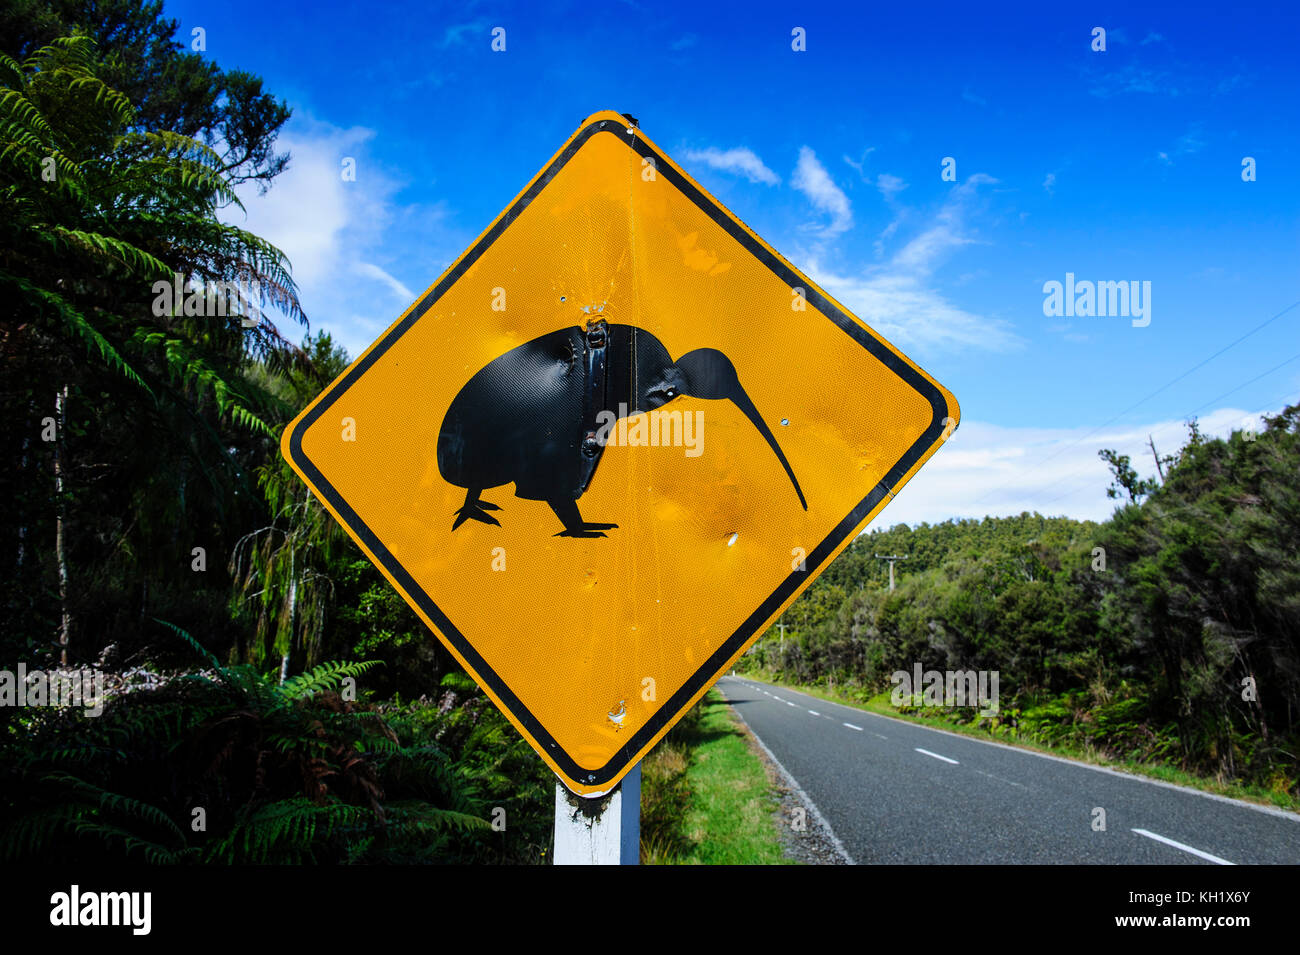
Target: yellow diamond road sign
<point>610,445</point>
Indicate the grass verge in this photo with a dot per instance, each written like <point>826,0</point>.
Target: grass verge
<point>880,704</point>
<point>705,796</point>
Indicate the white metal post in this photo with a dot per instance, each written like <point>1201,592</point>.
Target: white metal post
<point>605,830</point>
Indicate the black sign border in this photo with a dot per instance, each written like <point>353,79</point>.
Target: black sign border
<point>672,708</point>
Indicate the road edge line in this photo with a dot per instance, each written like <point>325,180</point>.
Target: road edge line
<point>1270,810</point>
<point>798,790</point>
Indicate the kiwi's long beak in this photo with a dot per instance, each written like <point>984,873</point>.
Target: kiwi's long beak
<point>710,374</point>
<point>741,401</point>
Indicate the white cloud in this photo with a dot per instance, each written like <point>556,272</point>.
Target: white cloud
<point>966,191</point>
<point>812,179</point>
<point>738,160</point>
<point>333,231</point>
<point>925,251</point>
<point>1049,182</point>
<point>375,272</point>
<point>459,33</point>
<point>1131,79</point>
<point>308,206</point>
<point>889,186</point>
<point>895,298</point>
<point>985,469</point>
<point>1190,141</point>
<point>909,314</point>
<point>859,164</point>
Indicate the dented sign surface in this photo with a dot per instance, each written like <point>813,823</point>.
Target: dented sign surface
<point>610,445</point>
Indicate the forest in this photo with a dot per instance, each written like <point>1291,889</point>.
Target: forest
<point>1168,634</point>
<point>273,699</point>
<point>152,529</point>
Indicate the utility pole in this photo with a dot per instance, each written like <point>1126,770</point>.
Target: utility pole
<point>1160,468</point>
<point>891,558</point>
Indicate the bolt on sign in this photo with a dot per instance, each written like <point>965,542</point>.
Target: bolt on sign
<point>610,445</point>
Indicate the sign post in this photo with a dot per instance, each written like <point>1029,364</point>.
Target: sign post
<point>609,446</point>
<point>601,831</point>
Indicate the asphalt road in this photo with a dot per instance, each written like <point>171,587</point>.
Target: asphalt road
<point>896,792</point>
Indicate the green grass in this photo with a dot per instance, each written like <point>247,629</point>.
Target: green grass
<point>1170,774</point>
<point>705,798</point>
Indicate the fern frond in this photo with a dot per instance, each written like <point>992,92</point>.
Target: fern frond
<point>288,829</point>
<point>81,327</point>
<point>122,252</point>
<point>21,111</point>
<point>194,644</point>
<point>192,369</point>
<point>27,836</point>
<point>116,101</point>
<point>458,681</point>
<point>153,852</point>
<point>11,73</point>
<point>326,676</point>
<point>116,802</point>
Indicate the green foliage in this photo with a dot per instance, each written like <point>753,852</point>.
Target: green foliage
<point>173,88</point>
<point>1150,659</point>
<point>283,772</point>
<point>1205,580</point>
<point>118,152</point>
<point>1126,480</point>
<point>705,795</point>
<point>103,193</point>
<point>666,793</point>
<point>325,677</point>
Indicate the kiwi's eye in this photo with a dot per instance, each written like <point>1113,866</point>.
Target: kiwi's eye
<point>670,392</point>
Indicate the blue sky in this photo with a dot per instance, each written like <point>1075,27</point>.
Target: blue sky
<point>1117,165</point>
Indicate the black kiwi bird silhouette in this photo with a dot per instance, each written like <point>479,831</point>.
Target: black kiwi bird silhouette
<point>533,416</point>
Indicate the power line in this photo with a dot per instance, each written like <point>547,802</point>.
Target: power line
<point>1166,385</point>
<point>1244,384</point>
<point>1186,417</point>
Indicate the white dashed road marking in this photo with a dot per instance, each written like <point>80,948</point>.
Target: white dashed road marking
<point>1178,845</point>
<point>1009,782</point>
<point>937,756</point>
<point>852,727</point>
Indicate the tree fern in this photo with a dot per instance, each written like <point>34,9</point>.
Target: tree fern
<point>80,327</point>
<point>287,773</point>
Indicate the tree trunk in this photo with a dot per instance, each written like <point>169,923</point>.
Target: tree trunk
<point>22,528</point>
<point>293,607</point>
<point>60,406</point>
